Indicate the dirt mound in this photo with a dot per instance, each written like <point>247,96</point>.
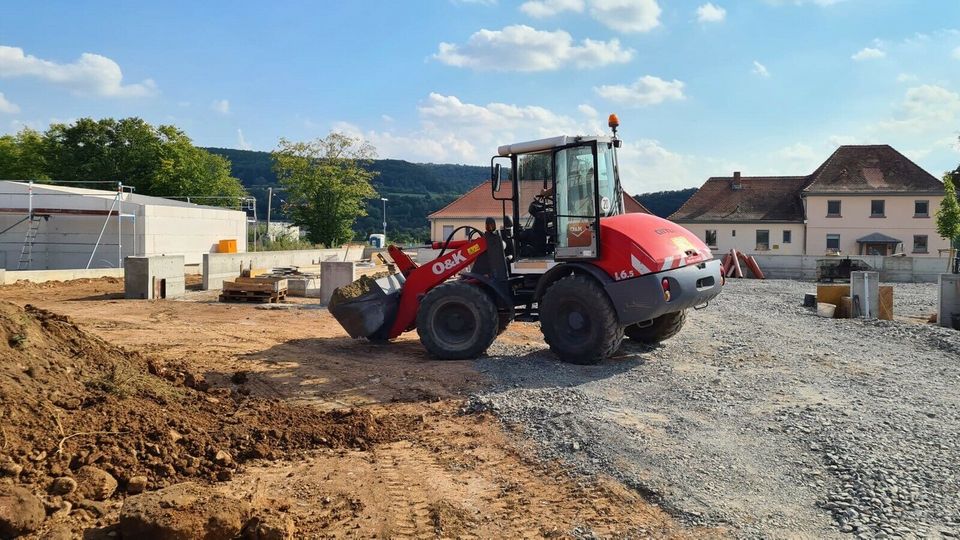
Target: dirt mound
<point>69,399</point>
<point>25,284</point>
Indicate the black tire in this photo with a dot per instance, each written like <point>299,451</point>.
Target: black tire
<point>579,322</point>
<point>662,328</point>
<point>457,321</point>
<point>504,318</point>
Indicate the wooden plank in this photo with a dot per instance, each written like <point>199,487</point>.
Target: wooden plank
<point>831,294</point>
<point>886,303</point>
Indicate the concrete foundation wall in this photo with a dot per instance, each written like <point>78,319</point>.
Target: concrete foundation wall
<point>41,276</point>
<point>892,269</point>
<point>190,232</point>
<point>218,267</point>
<point>333,275</point>
<point>154,278</point>
<point>949,298</point>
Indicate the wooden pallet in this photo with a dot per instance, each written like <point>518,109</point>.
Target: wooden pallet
<point>254,296</point>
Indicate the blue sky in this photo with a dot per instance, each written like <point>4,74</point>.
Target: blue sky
<point>701,88</point>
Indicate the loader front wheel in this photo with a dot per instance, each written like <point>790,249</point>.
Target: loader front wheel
<point>457,321</point>
<point>656,330</point>
<point>579,322</point>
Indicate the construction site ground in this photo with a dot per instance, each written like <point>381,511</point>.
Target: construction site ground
<point>759,420</point>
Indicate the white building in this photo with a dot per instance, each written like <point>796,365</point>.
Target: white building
<point>73,226</point>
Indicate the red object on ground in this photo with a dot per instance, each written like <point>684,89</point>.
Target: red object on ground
<point>755,268</point>
<point>737,271</point>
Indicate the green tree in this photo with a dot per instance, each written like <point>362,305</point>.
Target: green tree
<point>948,216</point>
<point>22,156</point>
<point>160,161</point>
<point>327,182</point>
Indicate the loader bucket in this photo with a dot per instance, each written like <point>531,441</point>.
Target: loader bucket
<point>367,307</point>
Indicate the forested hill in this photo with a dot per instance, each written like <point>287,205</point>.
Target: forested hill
<point>414,190</point>
<point>664,203</point>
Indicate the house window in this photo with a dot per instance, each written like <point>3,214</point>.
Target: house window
<point>921,208</point>
<point>447,231</point>
<point>833,208</point>
<point>711,237</point>
<point>919,243</point>
<point>876,208</point>
<point>763,240</point>
<point>787,237</point>
<point>833,242</point>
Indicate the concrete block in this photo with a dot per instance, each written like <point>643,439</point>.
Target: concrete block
<point>153,278</point>
<point>334,274</point>
<point>303,286</point>
<point>949,302</point>
<point>866,287</point>
<point>2,276</point>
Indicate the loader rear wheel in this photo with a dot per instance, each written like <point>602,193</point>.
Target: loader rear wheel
<point>457,321</point>
<point>579,322</point>
<point>656,330</point>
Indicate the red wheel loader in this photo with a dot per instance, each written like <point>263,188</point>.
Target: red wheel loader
<point>574,261</point>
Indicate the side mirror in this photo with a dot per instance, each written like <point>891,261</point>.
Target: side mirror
<point>495,178</point>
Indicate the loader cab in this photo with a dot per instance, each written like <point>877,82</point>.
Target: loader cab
<point>559,190</point>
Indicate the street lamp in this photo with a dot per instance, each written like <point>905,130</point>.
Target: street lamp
<point>384,219</point>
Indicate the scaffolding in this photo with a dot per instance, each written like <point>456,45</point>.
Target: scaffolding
<point>37,214</point>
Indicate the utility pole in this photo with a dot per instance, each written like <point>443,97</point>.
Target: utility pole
<point>384,219</point>
<point>269,206</point>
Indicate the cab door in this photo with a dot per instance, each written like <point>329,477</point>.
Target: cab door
<point>576,200</point>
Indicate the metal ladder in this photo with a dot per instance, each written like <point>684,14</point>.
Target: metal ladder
<point>26,253</point>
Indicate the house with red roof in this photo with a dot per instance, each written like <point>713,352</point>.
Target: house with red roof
<point>477,204</point>
<point>863,200</point>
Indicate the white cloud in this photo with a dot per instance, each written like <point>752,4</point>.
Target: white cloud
<point>621,15</point>
<point>453,131</point>
<point>546,8</point>
<point>221,106</point>
<point>822,3</point>
<point>906,77</point>
<point>587,110</point>
<point>627,15</point>
<point>956,53</point>
<point>647,90</point>
<point>7,107</point>
<point>868,53</point>
<point>799,157</point>
<point>708,13</point>
<point>523,48</point>
<point>91,74</point>
<point>926,110</point>
<point>242,142</point>
<point>760,70</point>
<point>386,118</point>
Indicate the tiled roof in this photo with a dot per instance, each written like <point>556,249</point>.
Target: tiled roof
<point>878,238</point>
<point>870,168</point>
<point>479,203</point>
<point>759,198</point>
<point>633,206</point>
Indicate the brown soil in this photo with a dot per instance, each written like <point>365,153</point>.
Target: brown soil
<point>349,438</point>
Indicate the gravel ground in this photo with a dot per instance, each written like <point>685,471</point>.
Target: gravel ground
<point>762,417</point>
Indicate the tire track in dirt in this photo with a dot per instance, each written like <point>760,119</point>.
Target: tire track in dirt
<point>406,493</point>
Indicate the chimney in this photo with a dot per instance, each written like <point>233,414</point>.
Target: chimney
<point>735,184</point>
